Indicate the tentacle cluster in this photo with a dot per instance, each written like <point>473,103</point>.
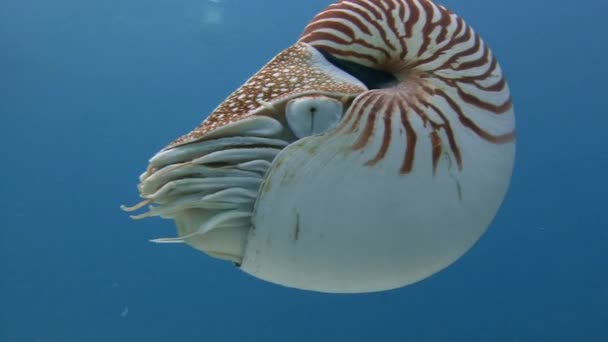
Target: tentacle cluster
<point>216,180</point>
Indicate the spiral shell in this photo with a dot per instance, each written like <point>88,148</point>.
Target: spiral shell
<point>369,155</point>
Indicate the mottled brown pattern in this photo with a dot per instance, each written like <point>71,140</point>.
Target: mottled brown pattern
<point>286,75</point>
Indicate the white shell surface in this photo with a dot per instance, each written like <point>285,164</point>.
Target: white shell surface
<point>327,222</point>
<point>405,184</point>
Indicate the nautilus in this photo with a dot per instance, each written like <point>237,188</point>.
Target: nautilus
<point>369,155</point>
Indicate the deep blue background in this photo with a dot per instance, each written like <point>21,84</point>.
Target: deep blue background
<point>89,90</point>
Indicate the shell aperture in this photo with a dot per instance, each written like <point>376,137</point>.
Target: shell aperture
<point>369,155</point>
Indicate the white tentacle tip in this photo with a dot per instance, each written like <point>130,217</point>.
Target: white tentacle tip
<point>136,206</point>
<point>168,240</point>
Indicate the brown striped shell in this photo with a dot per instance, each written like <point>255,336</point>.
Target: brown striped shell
<point>437,58</point>
<point>369,155</point>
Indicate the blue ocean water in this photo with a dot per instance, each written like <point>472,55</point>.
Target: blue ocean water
<point>89,90</point>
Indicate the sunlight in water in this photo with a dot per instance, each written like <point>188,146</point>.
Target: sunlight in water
<point>212,14</point>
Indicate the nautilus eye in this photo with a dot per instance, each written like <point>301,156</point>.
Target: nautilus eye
<point>310,115</point>
<point>369,155</point>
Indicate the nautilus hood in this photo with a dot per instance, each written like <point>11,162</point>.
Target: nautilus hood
<point>369,155</point>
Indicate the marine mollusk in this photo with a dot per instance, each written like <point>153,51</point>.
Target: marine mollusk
<point>369,155</point>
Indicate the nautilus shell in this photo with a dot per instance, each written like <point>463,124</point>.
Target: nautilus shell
<point>369,155</point>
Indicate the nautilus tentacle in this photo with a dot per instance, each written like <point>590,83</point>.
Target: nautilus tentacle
<point>369,155</point>
<point>208,180</point>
